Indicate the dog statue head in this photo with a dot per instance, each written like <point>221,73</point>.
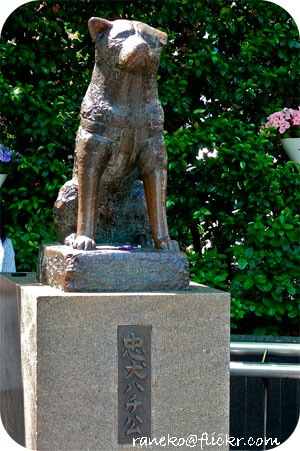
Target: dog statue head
<point>127,45</point>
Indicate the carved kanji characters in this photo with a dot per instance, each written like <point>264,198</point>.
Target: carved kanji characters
<point>133,404</point>
<point>134,427</point>
<point>133,370</point>
<point>133,347</point>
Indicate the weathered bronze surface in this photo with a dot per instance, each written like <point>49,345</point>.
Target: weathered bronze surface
<point>109,269</point>
<point>119,138</point>
<point>134,382</point>
<point>119,219</point>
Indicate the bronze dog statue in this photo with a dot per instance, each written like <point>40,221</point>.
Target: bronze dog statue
<point>121,127</point>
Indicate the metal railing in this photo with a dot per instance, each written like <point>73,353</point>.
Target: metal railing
<point>264,369</point>
<point>267,370</point>
<point>251,348</point>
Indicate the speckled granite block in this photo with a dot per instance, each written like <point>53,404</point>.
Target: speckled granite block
<point>70,365</point>
<point>108,268</point>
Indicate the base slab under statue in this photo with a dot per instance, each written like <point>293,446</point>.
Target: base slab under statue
<point>65,345</point>
<point>110,269</point>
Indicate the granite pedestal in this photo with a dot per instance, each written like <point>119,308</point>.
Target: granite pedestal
<point>69,363</point>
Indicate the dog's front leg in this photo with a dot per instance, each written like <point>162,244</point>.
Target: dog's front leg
<point>155,185</point>
<point>92,154</point>
<point>152,164</point>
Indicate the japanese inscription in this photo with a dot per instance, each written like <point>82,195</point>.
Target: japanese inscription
<point>134,382</point>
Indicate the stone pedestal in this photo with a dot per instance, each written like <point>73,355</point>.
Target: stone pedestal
<point>111,269</point>
<point>69,360</point>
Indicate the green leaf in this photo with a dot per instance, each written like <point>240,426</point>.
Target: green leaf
<point>292,290</point>
<point>270,233</point>
<point>248,283</point>
<point>242,262</point>
<point>261,279</point>
<point>276,296</point>
<point>197,214</point>
<point>287,226</point>
<point>199,111</point>
<point>221,277</point>
<point>249,252</point>
<point>268,302</point>
<point>293,314</point>
<point>267,82</point>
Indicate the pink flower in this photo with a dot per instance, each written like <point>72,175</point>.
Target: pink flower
<point>284,127</point>
<point>282,120</point>
<point>296,118</point>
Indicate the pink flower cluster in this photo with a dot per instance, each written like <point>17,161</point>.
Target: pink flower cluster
<point>282,120</point>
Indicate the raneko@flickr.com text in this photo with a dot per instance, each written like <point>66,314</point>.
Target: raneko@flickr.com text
<point>204,440</point>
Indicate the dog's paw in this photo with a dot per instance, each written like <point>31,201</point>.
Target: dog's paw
<point>69,240</point>
<point>167,244</point>
<point>81,242</point>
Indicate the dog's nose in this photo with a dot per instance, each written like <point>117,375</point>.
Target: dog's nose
<point>135,55</point>
<point>142,47</point>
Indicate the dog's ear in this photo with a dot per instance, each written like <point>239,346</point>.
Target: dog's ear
<point>162,36</point>
<point>97,25</point>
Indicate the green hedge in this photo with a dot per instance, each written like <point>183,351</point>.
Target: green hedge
<point>226,67</point>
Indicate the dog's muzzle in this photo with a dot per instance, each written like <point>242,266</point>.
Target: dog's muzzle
<point>135,56</point>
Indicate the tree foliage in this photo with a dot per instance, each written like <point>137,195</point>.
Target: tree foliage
<point>226,67</point>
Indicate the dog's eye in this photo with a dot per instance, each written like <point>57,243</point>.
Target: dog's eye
<point>124,34</point>
<point>152,42</point>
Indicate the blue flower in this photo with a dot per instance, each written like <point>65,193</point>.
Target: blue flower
<point>5,155</point>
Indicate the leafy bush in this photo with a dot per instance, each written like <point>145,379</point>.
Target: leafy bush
<point>226,67</point>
